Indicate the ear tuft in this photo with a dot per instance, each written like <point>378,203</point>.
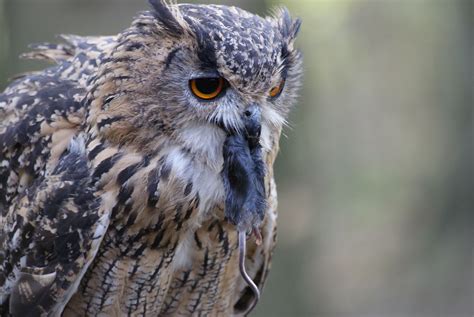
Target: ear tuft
<point>168,15</point>
<point>289,27</point>
<point>295,29</point>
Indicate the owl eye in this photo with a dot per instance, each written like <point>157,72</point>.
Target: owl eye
<point>207,88</point>
<point>276,91</point>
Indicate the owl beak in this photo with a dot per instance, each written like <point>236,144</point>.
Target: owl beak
<point>243,174</point>
<point>253,124</point>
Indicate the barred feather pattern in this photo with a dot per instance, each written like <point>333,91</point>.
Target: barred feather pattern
<point>97,218</point>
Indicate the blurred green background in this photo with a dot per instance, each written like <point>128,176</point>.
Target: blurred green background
<point>375,174</point>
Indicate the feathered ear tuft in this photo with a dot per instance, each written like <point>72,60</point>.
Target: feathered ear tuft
<point>168,16</point>
<point>289,27</point>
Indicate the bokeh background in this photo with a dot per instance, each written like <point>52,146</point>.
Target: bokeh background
<point>375,175</point>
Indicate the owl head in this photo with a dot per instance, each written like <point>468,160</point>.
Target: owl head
<point>216,80</point>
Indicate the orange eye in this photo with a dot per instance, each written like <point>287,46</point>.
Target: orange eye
<point>207,88</point>
<point>276,91</point>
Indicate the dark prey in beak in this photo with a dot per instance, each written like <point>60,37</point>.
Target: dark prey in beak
<point>243,174</point>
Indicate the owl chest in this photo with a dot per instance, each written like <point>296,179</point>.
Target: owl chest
<point>164,200</point>
<point>196,274</point>
<point>174,257</point>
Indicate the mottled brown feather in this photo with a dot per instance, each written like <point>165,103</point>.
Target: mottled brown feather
<point>111,197</point>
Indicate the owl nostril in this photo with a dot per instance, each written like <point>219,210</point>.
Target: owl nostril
<point>252,111</point>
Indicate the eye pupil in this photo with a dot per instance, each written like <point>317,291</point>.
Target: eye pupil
<point>207,85</point>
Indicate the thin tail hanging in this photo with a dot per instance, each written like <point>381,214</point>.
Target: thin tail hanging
<point>243,272</point>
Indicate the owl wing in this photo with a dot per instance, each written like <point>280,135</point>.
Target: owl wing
<point>50,222</point>
<point>40,112</point>
<point>49,237</point>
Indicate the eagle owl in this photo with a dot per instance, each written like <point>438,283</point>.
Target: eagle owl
<point>136,174</point>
